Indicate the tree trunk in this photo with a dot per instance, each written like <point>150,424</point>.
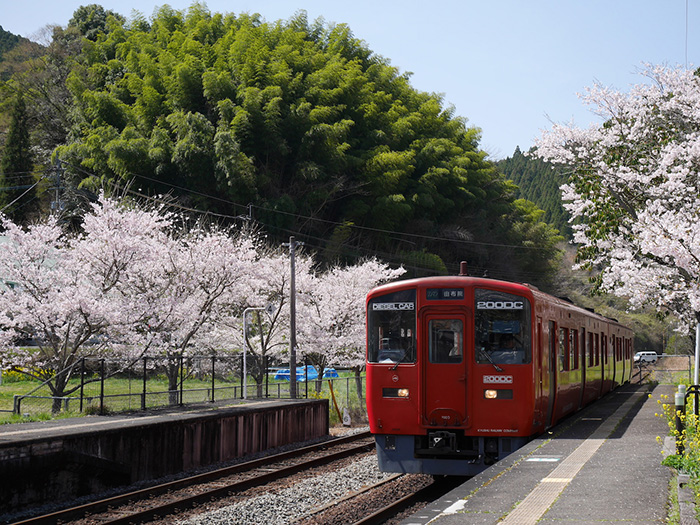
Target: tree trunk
<point>358,381</point>
<point>58,390</point>
<point>173,371</point>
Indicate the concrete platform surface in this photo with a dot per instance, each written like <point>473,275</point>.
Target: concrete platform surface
<point>602,465</point>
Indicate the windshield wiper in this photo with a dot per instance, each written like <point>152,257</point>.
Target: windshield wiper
<point>488,358</point>
<point>399,360</point>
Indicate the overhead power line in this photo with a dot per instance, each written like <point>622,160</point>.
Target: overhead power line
<point>22,195</point>
<point>249,207</point>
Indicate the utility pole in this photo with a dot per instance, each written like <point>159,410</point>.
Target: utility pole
<point>292,319</point>
<point>58,170</point>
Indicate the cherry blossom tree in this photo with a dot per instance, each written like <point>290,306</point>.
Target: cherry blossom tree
<point>333,329</point>
<point>134,283</point>
<point>204,275</point>
<point>131,283</point>
<point>63,290</point>
<point>268,340</point>
<point>633,192</point>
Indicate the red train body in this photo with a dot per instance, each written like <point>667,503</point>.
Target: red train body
<point>462,371</point>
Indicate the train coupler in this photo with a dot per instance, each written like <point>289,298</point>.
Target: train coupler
<point>442,441</point>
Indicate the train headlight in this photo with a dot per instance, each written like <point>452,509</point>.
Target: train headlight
<point>501,393</point>
<point>395,392</point>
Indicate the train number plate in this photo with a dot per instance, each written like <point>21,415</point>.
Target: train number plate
<point>498,380</point>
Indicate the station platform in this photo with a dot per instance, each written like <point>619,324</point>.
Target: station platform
<point>601,465</point>
<point>64,459</point>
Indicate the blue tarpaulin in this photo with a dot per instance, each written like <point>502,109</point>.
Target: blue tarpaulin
<point>283,374</point>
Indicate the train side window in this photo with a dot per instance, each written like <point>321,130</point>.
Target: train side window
<point>391,328</point>
<point>552,342</point>
<point>502,328</point>
<point>619,349</point>
<point>573,349</point>
<point>604,348</point>
<point>563,349</point>
<point>446,341</point>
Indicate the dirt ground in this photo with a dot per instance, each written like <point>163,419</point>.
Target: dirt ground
<point>681,362</point>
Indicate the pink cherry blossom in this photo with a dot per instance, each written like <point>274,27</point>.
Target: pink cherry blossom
<point>633,189</point>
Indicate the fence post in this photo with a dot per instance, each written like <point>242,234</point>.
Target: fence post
<point>213,376</point>
<point>143,393</point>
<point>16,402</point>
<point>680,411</point>
<point>182,378</point>
<point>693,390</point>
<point>82,382</point>
<point>102,386</point>
<point>267,376</point>
<point>242,377</point>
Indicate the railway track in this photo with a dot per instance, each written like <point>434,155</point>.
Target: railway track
<point>387,501</point>
<point>255,473</point>
<point>418,498</point>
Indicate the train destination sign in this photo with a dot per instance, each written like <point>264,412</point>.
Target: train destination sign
<point>443,294</point>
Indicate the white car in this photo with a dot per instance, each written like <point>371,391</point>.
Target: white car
<point>645,357</point>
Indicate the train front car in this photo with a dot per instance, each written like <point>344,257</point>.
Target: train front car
<point>450,373</point>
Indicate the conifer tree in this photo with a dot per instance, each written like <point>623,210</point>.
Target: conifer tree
<point>16,178</point>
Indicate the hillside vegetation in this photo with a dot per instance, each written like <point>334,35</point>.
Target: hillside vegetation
<point>539,182</point>
<point>297,124</point>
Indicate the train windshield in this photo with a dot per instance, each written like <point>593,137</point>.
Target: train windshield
<point>391,328</point>
<point>501,327</point>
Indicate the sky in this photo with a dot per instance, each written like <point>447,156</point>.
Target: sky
<point>509,67</point>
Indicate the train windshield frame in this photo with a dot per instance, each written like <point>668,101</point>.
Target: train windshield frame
<point>502,327</point>
<point>391,328</point>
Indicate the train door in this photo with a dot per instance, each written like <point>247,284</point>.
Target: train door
<point>605,357</point>
<point>445,368</point>
<point>553,371</point>
<point>613,353</point>
<point>600,362</point>
<point>583,364</point>
<point>542,371</point>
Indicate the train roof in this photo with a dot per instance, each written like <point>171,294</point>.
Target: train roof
<point>455,280</point>
<point>465,280</point>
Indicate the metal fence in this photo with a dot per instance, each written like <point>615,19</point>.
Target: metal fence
<point>101,386</point>
<point>668,369</point>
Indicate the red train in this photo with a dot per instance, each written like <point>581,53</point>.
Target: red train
<point>462,371</point>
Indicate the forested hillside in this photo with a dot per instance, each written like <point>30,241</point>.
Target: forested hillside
<point>295,124</point>
<point>13,49</point>
<point>538,182</point>
<point>7,41</point>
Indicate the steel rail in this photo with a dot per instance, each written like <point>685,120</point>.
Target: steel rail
<point>364,490</point>
<point>429,493</point>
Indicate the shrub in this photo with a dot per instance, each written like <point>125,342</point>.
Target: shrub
<point>13,376</point>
